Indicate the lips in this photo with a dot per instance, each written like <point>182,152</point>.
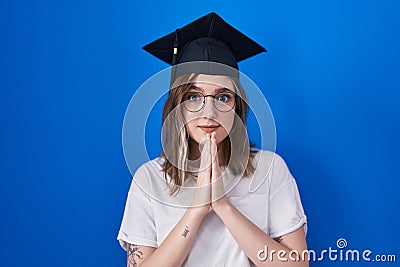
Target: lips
<point>208,128</point>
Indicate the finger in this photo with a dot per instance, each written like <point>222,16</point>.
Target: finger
<point>215,161</point>
<point>209,165</point>
<point>204,177</point>
<point>218,189</point>
<point>205,153</point>
<point>207,171</point>
<point>203,192</point>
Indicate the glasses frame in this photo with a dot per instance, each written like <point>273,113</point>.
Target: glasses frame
<point>214,97</point>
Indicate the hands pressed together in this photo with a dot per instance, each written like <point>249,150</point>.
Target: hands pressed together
<point>210,192</point>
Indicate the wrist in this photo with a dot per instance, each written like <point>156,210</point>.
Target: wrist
<point>200,211</point>
<point>222,205</point>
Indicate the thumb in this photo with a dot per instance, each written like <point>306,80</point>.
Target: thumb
<point>205,148</point>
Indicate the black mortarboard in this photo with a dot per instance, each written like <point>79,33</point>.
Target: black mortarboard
<point>207,39</point>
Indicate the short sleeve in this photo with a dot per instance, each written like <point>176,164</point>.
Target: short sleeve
<point>286,212</point>
<point>138,226</point>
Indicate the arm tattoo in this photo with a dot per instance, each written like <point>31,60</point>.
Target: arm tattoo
<point>278,239</point>
<point>186,231</point>
<point>133,252</point>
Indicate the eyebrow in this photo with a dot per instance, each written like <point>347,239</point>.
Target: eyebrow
<point>219,90</point>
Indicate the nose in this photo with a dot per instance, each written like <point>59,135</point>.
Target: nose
<point>208,110</point>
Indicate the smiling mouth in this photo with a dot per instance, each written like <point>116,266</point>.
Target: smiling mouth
<point>208,129</point>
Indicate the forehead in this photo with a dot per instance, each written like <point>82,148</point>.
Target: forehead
<point>213,82</point>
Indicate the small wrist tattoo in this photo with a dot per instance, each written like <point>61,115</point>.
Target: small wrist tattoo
<point>186,231</point>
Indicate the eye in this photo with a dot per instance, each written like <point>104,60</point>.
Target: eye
<point>224,97</point>
<point>193,97</point>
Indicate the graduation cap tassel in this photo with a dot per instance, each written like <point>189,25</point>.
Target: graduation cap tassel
<point>174,58</point>
<point>175,54</point>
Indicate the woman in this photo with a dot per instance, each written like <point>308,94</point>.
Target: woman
<point>191,206</point>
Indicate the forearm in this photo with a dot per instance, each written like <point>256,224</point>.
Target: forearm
<point>252,239</point>
<point>176,246</point>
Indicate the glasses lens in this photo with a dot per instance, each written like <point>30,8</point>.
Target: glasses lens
<point>193,101</point>
<point>224,101</point>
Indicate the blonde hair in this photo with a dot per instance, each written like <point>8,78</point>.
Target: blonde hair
<point>177,136</point>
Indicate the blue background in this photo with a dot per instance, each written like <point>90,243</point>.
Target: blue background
<point>69,68</point>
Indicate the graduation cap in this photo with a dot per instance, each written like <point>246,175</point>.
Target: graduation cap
<point>208,45</point>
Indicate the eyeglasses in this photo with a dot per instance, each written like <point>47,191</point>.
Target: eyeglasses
<point>195,101</point>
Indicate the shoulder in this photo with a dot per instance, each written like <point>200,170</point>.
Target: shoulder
<point>269,160</point>
<point>148,173</point>
<point>153,166</point>
<point>272,167</point>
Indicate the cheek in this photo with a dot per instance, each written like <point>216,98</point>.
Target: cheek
<point>190,127</point>
<point>190,124</point>
<point>188,120</point>
<point>227,123</point>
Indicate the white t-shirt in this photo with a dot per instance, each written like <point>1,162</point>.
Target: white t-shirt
<point>275,207</point>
